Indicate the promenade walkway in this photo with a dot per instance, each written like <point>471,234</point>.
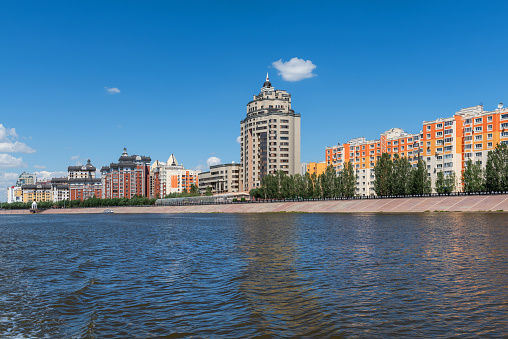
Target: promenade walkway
<point>476,203</point>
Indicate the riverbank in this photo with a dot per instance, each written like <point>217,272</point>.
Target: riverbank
<point>477,203</point>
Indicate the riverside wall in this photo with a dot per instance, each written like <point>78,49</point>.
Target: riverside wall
<point>476,203</point>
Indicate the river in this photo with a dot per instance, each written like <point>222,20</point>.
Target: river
<point>254,275</point>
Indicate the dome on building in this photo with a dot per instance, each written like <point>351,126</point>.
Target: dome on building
<point>267,83</point>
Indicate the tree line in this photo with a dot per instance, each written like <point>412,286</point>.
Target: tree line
<point>309,186</point>
<point>393,176</point>
<point>90,202</point>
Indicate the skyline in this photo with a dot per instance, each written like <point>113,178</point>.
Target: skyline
<point>83,81</point>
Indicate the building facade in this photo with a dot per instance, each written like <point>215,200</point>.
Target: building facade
<point>82,182</point>
<point>445,144</point>
<point>316,167</point>
<point>269,137</point>
<point>224,178</point>
<point>128,177</point>
<point>170,177</point>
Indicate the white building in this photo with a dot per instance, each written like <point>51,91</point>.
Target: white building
<point>170,177</point>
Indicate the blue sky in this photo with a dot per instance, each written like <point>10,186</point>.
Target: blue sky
<point>186,70</point>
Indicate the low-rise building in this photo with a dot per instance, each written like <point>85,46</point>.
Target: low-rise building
<point>14,194</point>
<point>224,178</point>
<point>39,192</point>
<point>316,167</point>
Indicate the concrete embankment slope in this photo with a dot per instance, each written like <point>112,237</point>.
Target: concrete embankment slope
<point>475,203</point>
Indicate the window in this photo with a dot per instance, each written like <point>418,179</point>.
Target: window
<point>479,154</point>
<point>448,148</point>
<point>428,127</point>
<point>478,137</point>
<point>489,118</point>
<point>428,143</point>
<point>489,136</point>
<point>467,130</point>
<point>478,129</point>
<point>478,120</point>
<point>448,140</point>
<point>448,131</point>
<point>489,127</point>
<point>478,146</point>
<point>504,125</point>
<point>448,156</point>
<point>489,145</point>
<point>504,134</point>
<point>439,134</point>
<point>504,116</point>
<point>428,136</point>
<point>439,126</point>
<point>448,123</point>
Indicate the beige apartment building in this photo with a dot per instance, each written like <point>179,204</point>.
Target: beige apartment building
<point>269,137</point>
<point>224,178</point>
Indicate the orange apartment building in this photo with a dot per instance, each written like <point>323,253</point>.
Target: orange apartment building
<point>444,144</point>
<point>363,155</point>
<point>316,167</point>
<point>128,177</point>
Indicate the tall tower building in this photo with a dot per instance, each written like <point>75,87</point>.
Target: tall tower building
<point>270,137</point>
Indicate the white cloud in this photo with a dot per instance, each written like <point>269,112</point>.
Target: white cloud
<point>15,147</point>
<point>295,69</point>
<point>239,139</point>
<point>112,90</point>
<point>39,166</point>
<point>8,161</point>
<point>75,157</point>
<point>46,175</point>
<point>8,145</point>
<point>212,161</point>
<point>200,168</point>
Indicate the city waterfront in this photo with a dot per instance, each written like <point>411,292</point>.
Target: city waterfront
<point>250,275</point>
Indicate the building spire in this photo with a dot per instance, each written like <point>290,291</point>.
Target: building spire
<point>267,83</point>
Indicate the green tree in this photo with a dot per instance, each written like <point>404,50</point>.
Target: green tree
<point>208,191</point>
<point>348,179</point>
<point>194,190</point>
<point>300,185</point>
<point>420,181</point>
<point>401,176</point>
<point>472,177</point>
<point>383,171</point>
<point>496,169</point>
<point>445,183</point>
<point>328,182</point>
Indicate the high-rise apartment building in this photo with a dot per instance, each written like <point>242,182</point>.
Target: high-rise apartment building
<point>270,137</point>
<point>363,155</point>
<point>128,177</point>
<point>445,144</point>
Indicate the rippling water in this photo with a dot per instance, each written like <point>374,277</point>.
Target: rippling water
<point>258,275</point>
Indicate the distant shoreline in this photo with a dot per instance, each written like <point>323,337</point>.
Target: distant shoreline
<point>476,203</point>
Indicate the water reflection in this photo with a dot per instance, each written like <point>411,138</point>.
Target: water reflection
<point>281,300</point>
